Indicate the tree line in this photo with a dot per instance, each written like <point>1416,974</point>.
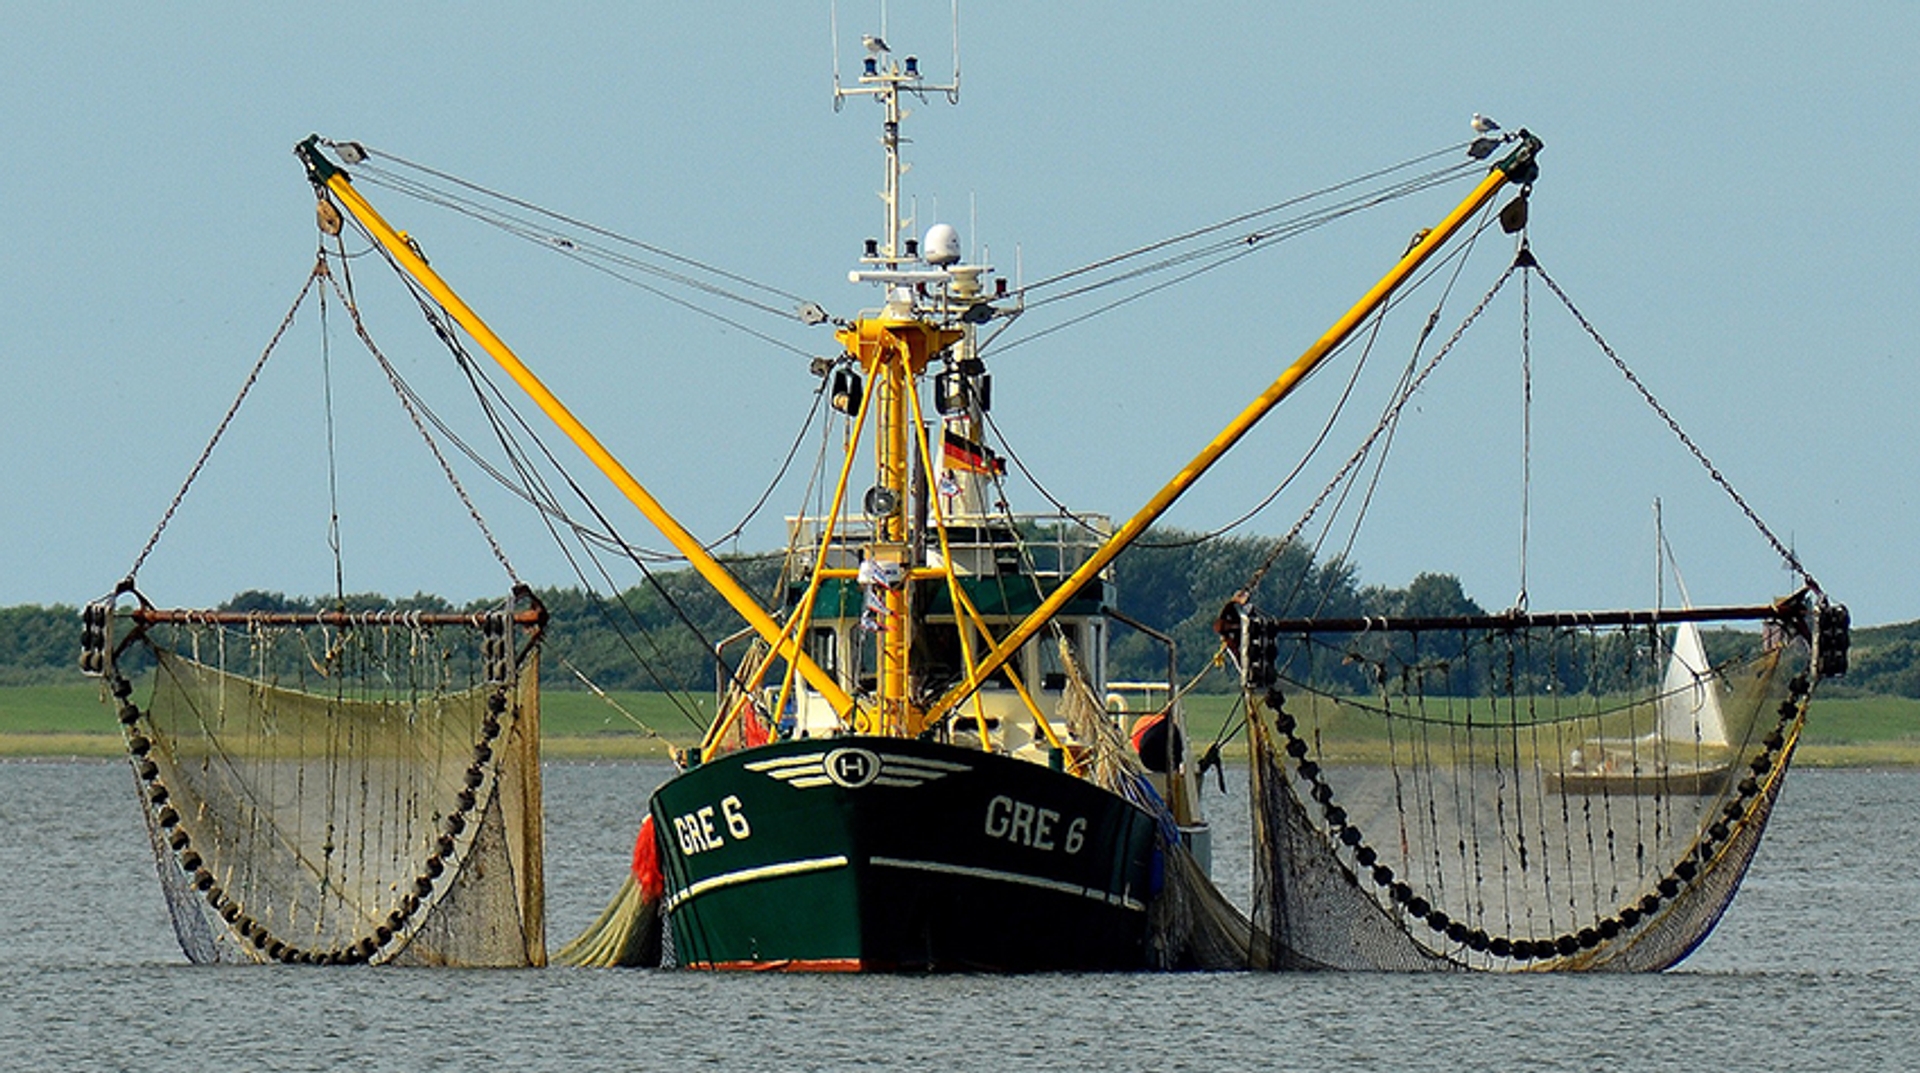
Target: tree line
<point>659,635</point>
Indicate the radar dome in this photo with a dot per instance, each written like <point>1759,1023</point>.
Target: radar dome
<point>942,245</point>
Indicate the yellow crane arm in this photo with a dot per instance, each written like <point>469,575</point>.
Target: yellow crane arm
<point>332,179</point>
<point>1519,163</point>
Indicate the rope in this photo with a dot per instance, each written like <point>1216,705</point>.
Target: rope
<point>406,403</point>
<point>1387,420</point>
<point>1526,429</point>
<point>333,469</point>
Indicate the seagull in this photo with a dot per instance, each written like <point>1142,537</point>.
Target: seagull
<point>874,44</point>
<point>1481,124</point>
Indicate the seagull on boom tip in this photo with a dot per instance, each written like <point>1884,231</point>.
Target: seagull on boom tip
<point>1483,125</point>
<point>877,46</point>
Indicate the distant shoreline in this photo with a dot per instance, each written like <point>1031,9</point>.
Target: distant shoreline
<point>71,720</point>
<point>620,748</point>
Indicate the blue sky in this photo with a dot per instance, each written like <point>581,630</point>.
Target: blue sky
<point>1728,192</point>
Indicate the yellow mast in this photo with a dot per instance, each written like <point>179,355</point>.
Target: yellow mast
<point>894,351</point>
<point>329,178</point>
<point>893,347</point>
<point>1519,163</point>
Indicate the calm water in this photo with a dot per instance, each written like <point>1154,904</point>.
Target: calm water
<point>1815,966</point>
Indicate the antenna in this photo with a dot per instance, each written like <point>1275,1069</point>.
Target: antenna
<point>833,35</point>
<point>973,221</point>
<point>885,78</point>
<point>953,95</point>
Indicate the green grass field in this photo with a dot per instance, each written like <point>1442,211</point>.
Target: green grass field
<point>72,720</point>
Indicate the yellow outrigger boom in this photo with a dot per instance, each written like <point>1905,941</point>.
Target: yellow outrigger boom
<point>329,178</point>
<point>1517,166</point>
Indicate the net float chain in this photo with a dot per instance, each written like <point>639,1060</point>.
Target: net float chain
<point>1477,939</point>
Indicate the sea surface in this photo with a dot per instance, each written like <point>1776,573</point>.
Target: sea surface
<point>1816,967</point>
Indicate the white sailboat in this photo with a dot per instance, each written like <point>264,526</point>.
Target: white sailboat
<point>1689,700</point>
<point>1687,751</point>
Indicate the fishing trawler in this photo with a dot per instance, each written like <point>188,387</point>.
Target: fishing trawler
<point>913,764</point>
<point>912,768</point>
<point>943,791</point>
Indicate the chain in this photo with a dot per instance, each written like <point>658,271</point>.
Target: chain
<point>1713,471</point>
<point>1386,422</point>
<point>319,270</point>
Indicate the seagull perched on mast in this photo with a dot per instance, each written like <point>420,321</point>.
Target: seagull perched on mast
<point>1483,125</point>
<point>874,44</point>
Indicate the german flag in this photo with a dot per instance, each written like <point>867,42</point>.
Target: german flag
<point>963,454</point>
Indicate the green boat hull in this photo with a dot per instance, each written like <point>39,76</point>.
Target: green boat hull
<point>882,854</point>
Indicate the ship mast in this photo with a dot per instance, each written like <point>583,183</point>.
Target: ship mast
<point>893,347</point>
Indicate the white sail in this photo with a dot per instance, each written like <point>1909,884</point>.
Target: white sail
<point>1690,695</point>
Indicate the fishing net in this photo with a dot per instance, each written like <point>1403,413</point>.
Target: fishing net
<point>1513,793</point>
<point>342,787</point>
<point>1191,925</point>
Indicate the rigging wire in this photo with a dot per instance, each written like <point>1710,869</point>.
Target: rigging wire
<point>531,488</point>
<point>1464,251</point>
<point>393,376</point>
<point>1239,219</point>
<point>1241,246</point>
<point>482,203</point>
<point>1456,256</point>
<point>595,257</point>
<point>1223,252</point>
<point>535,490</point>
<point>1387,420</point>
<point>421,189</point>
<point>608,539</point>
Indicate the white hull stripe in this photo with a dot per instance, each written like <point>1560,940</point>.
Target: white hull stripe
<point>925,765</point>
<point>802,760</point>
<point>748,875</point>
<point>997,875</point>
<point>821,864</point>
